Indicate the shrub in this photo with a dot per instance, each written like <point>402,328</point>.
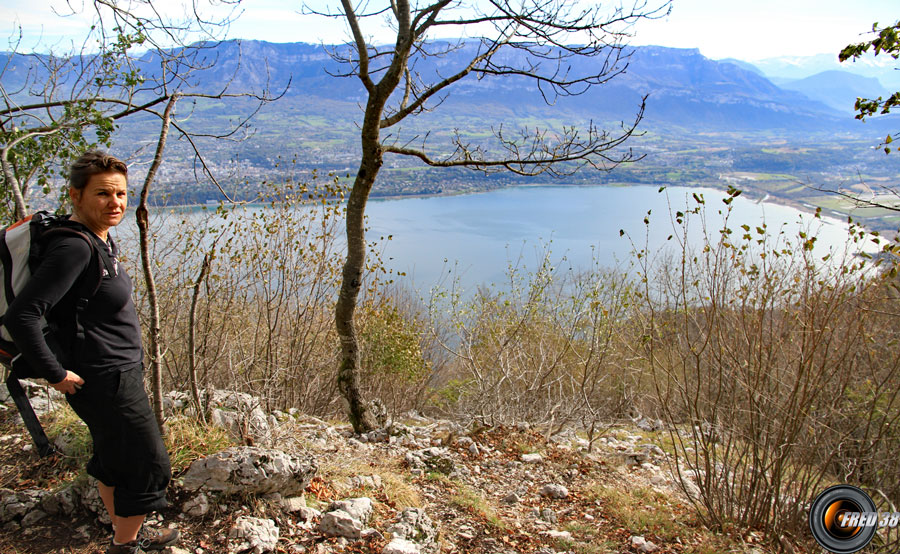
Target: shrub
<point>761,353</point>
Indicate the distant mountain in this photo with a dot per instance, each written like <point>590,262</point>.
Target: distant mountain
<point>837,89</point>
<point>686,91</point>
<point>742,64</point>
<point>881,67</point>
<point>690,90</point>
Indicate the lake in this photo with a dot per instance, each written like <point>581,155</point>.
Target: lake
<point>477,235</point>
<point>474,237</point>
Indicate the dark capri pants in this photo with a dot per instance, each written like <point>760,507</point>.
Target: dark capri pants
<point>129,453</point>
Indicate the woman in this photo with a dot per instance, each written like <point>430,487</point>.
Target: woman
<point>102,379</point>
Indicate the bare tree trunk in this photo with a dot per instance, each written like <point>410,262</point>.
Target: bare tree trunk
<point>143,220</point>
<point>359,411</point>
<point>195,390</point>
<point>13,184</point>
<point>348,373</point>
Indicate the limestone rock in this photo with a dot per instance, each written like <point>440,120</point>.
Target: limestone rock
<point>653,450</point>
<point>413,524</point>
<point>198,506</point>
<point>254,535</point>
<point>293,504</point>
<point>364,481</point>
<point>554,491</point>
<point>308,515</point>
<point>647,424</point>
<point>340,524</point>
<point>432,459</point>
<point>633,459</point>
<point>62,502</point>
<point>175,401</point>
<point>89,498</point>
<point>22,508</point>
<point>643,545</point>
<point>358,508</point>
<point>548,515</point>
<point>250,470</point>
<point>33,517</point>
<point>401,546</point>
<point>240,414</point>
<point>558,535</point>
<point>532,458</point>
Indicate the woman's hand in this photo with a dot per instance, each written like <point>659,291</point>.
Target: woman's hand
<point>70,384</point>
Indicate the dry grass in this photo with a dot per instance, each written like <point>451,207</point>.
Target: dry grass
<point>188,439</point>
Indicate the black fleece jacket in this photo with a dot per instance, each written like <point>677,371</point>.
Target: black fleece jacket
<point>112,330</point>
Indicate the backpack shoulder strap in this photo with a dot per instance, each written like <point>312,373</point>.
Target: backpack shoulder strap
<point>88,285</point>
<point>89,282</point>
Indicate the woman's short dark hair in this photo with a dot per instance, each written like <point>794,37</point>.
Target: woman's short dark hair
<point>94,162</point>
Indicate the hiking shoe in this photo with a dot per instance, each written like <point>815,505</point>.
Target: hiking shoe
<point>157,539</point>
<point>128,548</point>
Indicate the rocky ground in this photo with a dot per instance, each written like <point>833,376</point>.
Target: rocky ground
<point>417,486</point>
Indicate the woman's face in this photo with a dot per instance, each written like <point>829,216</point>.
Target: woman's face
<point>101,203</point>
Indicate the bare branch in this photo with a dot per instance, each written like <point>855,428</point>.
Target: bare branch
<point>535,153</point>
<point>361,48</point>
<point>860,202</point>
<point>421,99</point>
<point>198,156</point>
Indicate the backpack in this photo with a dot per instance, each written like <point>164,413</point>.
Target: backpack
<point>21,248</point>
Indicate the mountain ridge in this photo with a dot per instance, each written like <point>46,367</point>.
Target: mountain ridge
<point>686,89</point>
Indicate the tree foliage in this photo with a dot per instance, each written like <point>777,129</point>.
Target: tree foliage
<point>132,60</point>
<point>886,41</point>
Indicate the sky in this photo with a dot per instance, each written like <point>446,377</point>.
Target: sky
<point>743,29</point>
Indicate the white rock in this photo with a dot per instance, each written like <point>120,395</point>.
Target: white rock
<point>554,491</point>
<point>562,535</point>
<point>250,470</point>
<point>340,524</point>
<point>240,414</point>
<point>371,534</point>
<point>358,508</point>
<point>61,502</point>
<point>293,504</point>
<point>253,534</point>
<point>90,499</point>
<point>401,546</point>
<point>197,506</point>
<point>309,514</point>
<point>532,458</point>
<point>643,545</point>
<point>414,524</point>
